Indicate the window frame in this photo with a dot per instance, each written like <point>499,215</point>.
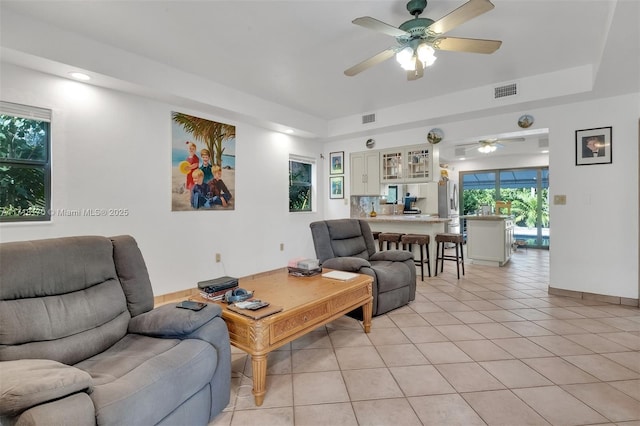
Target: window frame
<point>312,184</point>
<point>35,114</point>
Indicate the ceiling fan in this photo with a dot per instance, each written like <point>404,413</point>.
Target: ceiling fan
<point>485,146</point>
<point>418,38</point>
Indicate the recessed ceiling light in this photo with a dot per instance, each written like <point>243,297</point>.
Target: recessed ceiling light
<point>546,151</point>
<point>462,158</point>
<point>80,76</point>
<point>289,131</point>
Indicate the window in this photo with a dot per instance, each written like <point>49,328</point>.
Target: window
<point>25,172</point>
<point>301,184</point>
<point>526,188</point>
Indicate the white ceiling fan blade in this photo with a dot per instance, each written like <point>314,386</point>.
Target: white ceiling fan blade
<point>379,26</point>
<point>368,63</point>
<point>464,13</point>
<point>471,45</point>
<point>465,145</point>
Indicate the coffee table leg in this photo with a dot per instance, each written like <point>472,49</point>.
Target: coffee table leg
<point>259,366</point>
<point>367,311</point>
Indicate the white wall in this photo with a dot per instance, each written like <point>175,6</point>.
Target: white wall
<point>113,150</point>
<point>594,237</point>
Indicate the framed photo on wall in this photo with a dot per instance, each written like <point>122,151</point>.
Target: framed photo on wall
<point>336,187</point>
<point>593,146</point>
<point>336,160</point>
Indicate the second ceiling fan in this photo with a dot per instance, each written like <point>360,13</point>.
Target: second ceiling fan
<point>418,38</point>
<point>487,146</point>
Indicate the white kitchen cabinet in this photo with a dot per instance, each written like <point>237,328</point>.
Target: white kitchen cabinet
<point>392,165</point>
<point>408,164</point>
<point>489,239</point>
<point>419,165</point>
<point>365,173</point>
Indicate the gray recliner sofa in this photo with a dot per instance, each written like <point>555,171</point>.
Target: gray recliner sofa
<point>81,342</point>
<point>348,245</point>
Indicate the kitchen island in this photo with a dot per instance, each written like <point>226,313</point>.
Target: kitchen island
<point>411,224</point>
<point>489,239</point>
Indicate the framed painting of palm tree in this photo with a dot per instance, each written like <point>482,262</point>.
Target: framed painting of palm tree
<point>203,164</point>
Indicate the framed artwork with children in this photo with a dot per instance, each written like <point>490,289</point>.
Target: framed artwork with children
<point>203,164</point>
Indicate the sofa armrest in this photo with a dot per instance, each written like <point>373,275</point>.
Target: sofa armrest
<point>171,322</point>
<point>76,409</point>
<point>348,264</point>
<point>392,255</point>
<point>26,383</point>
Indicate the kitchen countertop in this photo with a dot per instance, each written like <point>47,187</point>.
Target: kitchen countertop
<point>413,218</point>
<point>487,217</point>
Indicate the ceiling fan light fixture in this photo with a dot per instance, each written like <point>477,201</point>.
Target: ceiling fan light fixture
<point>405,58</point>
<point>486,149</point>
<point>410,65</point>
<point>426,54</point>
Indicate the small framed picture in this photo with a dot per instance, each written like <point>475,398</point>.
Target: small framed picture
<point>337,162</point>
<point>336,187</point>
<point>593,146</point>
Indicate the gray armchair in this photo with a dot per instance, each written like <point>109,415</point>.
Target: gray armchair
<point>81,342</point>
<point>348,245</point>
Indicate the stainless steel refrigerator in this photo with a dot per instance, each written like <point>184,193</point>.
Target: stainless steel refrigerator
<point>448,205</point>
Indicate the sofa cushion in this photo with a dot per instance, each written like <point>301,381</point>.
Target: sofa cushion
<point>66,328</point>
<point>147,376</point>
<point>133,274</point>
<point>55,266</point>
<point>60,299</point>
<point>26,383</point>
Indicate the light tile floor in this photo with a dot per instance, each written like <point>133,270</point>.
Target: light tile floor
<point>491,348</point>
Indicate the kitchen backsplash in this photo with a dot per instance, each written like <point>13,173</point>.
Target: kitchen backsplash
<point>361,206</point>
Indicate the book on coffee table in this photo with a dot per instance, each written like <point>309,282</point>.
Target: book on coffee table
<point>340,275</point>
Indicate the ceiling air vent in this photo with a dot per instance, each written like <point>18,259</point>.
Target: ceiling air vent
<point>460,151</point>
<point>507,90</point>
<point>543,143</point>
<point>369,118</point>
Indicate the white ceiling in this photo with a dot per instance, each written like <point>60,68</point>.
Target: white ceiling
<point>294,52</point>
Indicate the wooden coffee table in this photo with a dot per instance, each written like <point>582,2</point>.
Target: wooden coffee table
<point>307,302</point>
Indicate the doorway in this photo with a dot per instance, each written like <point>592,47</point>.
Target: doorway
<point>526,188</point>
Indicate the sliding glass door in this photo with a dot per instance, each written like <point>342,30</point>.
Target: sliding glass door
<point>528,191</point>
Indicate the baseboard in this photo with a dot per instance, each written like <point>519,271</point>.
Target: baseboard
<point>615,300</point>
<point>175,296</point>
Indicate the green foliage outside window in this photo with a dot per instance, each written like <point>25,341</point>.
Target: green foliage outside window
<point>300,179</point>
<point>524,204</point>
<point>24,169</point>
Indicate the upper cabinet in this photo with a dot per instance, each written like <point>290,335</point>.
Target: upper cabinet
<point>365,173</point>
<point>391,165</point>
<point>407,164</point>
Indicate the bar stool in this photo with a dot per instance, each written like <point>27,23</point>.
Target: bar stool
<point>456,239</point>
<point>389,237</point>
<point>423,242</point>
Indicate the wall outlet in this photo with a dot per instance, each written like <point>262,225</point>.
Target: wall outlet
<point>559,200</point>
<point>218,257</point>
<point>281,246</point>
